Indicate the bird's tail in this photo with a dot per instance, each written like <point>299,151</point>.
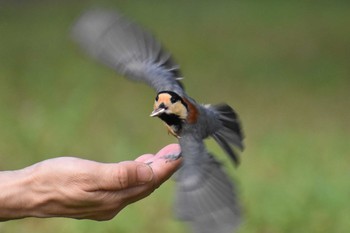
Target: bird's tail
<point>206,198</point>
<point>230,132</point>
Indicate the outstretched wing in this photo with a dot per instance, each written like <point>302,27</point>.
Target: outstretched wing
<point>129,49</point>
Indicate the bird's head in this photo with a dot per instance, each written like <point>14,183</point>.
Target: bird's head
<point>169,104</point>
<point>175,111</point>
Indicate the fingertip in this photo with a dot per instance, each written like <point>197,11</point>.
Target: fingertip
<point>171,149</point>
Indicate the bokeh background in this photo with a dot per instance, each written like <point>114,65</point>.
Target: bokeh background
<point>284,66</point>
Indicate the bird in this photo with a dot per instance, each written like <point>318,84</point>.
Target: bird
<point>205,196</point>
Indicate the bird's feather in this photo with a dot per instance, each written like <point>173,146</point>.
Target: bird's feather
<point>129,49</point>
<point>206,197</point>
<point>230,132</point>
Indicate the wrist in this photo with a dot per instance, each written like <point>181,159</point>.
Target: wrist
<point>16,196</point>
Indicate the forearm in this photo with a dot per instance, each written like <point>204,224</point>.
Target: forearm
<point>16,196</point>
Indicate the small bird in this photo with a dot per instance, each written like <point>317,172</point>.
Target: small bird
<point>205,195</point>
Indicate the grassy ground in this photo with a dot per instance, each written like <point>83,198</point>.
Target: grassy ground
<point>283,65</point>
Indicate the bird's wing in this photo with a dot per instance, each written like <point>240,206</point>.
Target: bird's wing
<point>206,197</point>
<point>132,51</point>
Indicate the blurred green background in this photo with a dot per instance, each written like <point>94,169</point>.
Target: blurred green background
<point>284,66</point>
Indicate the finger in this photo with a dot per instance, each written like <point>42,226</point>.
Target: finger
<point>144,158</point>
<point>169,150</point>
<point>163,167</point>
<point>125,175</point>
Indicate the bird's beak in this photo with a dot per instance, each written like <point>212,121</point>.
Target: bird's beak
<point>157,112</point>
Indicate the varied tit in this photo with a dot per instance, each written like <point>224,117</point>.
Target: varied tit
<point>205,195</point>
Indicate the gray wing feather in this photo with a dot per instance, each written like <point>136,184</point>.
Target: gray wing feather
<point>206,197</point>
<point>127,48</point>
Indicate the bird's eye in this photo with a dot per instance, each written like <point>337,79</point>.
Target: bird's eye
<point>157,98</point>
<point>173,99</point>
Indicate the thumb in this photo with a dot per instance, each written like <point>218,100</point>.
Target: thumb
<point>125,175</point>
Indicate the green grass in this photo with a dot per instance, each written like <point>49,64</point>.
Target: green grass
<point>283,65</point>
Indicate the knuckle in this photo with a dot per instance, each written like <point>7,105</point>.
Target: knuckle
<point>122,177</point>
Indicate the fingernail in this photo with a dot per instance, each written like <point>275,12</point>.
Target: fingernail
<point>144,174</point>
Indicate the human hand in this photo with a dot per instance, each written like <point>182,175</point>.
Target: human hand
<point>82,189</point>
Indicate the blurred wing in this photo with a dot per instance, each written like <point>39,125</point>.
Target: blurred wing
<point>127,48</point>
<point>206,197</point>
